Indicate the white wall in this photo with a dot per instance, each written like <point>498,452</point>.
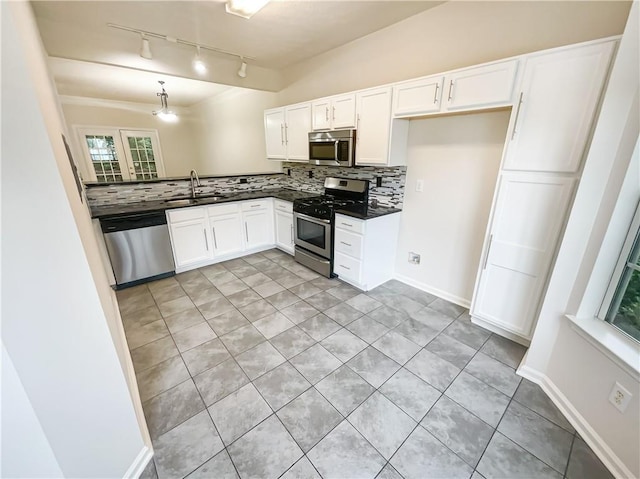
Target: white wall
<point>229,131</point>
<point>57,309</point>
<point>452,35</point>
<point>177,140</point>
<point>458,158</point>
<point>577,374</point>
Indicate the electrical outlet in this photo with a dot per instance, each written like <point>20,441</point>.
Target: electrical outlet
<point>420,185</point>
<point>378,181</point>
<point>414,258</point>
<point>310,173</point>
<point>243,181</point>
<point>619,397</point>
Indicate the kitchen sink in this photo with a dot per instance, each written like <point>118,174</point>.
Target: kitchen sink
<point>193,201</point>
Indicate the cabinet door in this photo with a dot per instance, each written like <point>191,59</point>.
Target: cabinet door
<point>560,94</point>
<point>284,230</point>
<point>487,86</point>
<point>226,233</point>
<point>343,111</point>
<point>190,242</point>
<point>297,132</point>
<point>274,134</point>
<point>417,97</point>
<point>321,119</point>
<point>529,216</point>
<point>373,126</point>
<point>258,228</point>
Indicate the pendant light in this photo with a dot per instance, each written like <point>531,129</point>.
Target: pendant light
<point>164,113</point>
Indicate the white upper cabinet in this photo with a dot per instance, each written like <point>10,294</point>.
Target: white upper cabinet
<point>481,87</point>
<point>417,97</point>
<point>334,112</point>
<point>286,132</point>
<point>373,126</point>
<point>558,100</point>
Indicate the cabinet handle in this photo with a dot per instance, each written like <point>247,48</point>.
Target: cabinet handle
<point>246,231</point>
<point>326,113</point>
<point>206,240</point>
<point>291,234</point>
<point>347,224</point>
<point>343,266</point>
<point>357,127</point>
<point>450,89</point>
<point>255,206</point>
<point>435,96</point>
<point>286,134</point>
<point>515,122</point>
<point>333,114</point>
<point>347,244</point>
<point>486,258</point>
<point>215,241</point>
<point>282,133</point>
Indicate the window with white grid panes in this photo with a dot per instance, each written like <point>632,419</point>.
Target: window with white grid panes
<point>104,158</point>
<point>142,157</point>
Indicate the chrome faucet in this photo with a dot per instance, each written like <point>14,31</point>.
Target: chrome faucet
<point>195,181</point>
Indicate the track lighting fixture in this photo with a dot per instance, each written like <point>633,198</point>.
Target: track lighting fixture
<point>242,72</point>
<point>198,65</point>
<point>244,8</point>
<point>164,113</point>
<point>145,48</point>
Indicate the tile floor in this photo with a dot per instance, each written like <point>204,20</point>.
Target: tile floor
<point>259,368</point>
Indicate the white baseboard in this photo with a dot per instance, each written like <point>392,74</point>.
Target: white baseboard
<point>465,303</point>
<point>590,436</point>
<point>139,463</point>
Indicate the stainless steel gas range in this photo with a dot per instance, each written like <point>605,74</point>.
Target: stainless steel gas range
<point>314,218</point>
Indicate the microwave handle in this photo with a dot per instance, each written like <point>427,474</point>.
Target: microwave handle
<point>335,152</point>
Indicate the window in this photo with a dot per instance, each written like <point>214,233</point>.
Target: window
<point>114,155</point>
<point>622,301</point>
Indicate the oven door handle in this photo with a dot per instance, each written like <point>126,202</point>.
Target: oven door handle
<point>312,219</point>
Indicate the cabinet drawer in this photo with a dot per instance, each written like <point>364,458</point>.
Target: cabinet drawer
<point>255,205</point>
<point>186,214</point>
<point>349,224</point>
<point>346,267</point>
<point>349,243</point>
<point>220,210</point>
<point>282,205</point>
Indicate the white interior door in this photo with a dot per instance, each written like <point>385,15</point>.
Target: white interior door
<point>528,218</point>
<point>142,150</point>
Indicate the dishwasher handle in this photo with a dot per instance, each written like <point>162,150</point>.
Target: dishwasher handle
<point>132,222</point>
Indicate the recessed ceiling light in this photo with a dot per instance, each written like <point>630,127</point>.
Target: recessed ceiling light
<point>244,8</point>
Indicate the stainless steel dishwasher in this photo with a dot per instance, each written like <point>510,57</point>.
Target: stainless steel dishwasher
<point>139,247</point>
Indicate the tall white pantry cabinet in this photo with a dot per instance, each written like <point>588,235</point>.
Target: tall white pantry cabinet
<point>547,138</point>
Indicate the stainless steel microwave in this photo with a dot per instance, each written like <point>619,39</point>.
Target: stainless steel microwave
<point>332,148</point>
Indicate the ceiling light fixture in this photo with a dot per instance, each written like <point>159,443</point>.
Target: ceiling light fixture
<point>242,72</point>
<point>244,8</point>
<point>145,48</point>
<point>198,65</point>
<point>164,113</point>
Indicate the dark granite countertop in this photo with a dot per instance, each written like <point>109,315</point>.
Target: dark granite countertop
<point>367,212</point>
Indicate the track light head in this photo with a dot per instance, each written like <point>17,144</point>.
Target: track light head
<point>198,65</point>
<point>242,72</point>
<point>145,48</point>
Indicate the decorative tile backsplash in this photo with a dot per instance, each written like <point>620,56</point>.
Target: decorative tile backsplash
<point>295,176</point>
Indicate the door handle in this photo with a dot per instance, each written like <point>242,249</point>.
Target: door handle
<point>515,122</point>
<point>215,241</point>
<point>206,240</point>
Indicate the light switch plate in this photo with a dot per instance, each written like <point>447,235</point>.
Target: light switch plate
<point>420,185</point>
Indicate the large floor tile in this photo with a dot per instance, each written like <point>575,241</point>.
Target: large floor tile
<point>532,396</point>
<point>256,279</point>
<point>239,412</point>
<point>343,291</point>
<point>257,310</point>
<point>382,423</point>
<point>140,317</point>
<point>416,331</point>
<point>482,400</point>
<point>458,429</point>
<point>300,312</point>
<point>445,307</point>
<point>305,290</point>
<point>396,301</point>
<point>290,280</point>
<point>344,453</point>
<point>503,458</point>
<point>161,377</point>
<point>315,363</point>
<point>218,467</point>
<point>373,366</point>
<point>232,287</point>
<point>205,295</point>
<point>433,369</point>
<point>397,347</point>
<point>243,298</point>
<point>345,389</point>
<point>184,319</point>
<point>259,360</point>
<point>453,351</point>
<point>504,350</point>
<point>153,353</point>
<point>545,440</point>
<point>363,303</point>
<point>227,322</point>
<point>283,299</point>
<point>268,289</point>
<point>390,317</point>
<point>342,313</point>
<point>323,301</point>
<point>241,339</point>
<point>175,306</point>
<point>140,335</point>
<point>205,356</point>
<point>303,469</point>
<point>215,308</point>
<point>584,464</point>
<point>319,327</point>
<point>266,451</point>
<point>309,418</point>
<point>292,342</point>
<point>273,324</point>
<point>217,383</point>
<point>343,344</point>
<point>281,385</point>
<point>423,456</point>
<point>468,333</point>
<point>494,373</point>
<point>410,393</point>
<point>186,447</point>
<point>172,407</point>
<point>367,329</point>
<point>193,336</point>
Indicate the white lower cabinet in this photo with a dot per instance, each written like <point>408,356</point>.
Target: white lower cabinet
<point>284,225</point>
<point>364,250</point>
<point>529,215</point>
<point>225,222</point>
<point>189,239</point>
<point>257,217</point>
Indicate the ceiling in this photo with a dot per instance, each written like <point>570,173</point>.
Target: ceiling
<point>282,34</point>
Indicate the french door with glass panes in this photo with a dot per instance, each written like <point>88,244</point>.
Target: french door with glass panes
<point>114,155</point>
